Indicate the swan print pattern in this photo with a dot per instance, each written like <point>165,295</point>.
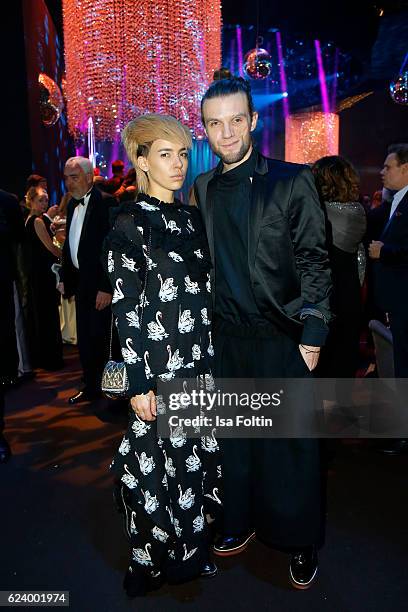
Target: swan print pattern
<point>158,265</point>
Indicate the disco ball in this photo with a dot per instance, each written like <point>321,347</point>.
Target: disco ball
<point>51,101</point>
<point>399,89</point>
<point>257,64</point>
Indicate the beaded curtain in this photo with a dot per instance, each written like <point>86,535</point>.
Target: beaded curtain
<point>128,57</point>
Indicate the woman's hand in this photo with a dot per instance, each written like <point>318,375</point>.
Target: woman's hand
<point>144,406</point>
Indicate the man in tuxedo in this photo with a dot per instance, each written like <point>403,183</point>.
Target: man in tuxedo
<point>266,233</point>
<point>390,257</point>
<point>82,273</point>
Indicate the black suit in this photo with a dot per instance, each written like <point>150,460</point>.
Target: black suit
<point>287,255</point>
<point>274,485</point>
<point>85,282</point>
<point>391,282</point>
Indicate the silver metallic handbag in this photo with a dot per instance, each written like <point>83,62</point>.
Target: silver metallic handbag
<point>115,381</point>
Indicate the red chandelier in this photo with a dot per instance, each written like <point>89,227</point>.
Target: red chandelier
<point>129,57</point>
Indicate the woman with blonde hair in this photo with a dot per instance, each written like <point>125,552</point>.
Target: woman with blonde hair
<point>158,261</point>
<point>40,253</point>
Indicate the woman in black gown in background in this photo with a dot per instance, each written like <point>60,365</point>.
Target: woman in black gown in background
<point>338,186</point>
<point>42,316</point>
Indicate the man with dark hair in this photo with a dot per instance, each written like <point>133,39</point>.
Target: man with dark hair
<point>390,256</point>
<point>82,273</point>
<point>266,234</point>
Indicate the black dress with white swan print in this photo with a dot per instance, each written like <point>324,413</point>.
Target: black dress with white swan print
<point>158,262</point>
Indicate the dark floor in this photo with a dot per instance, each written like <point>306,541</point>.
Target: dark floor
<point>59,529</point>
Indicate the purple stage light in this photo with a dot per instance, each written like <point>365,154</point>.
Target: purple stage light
<point>322,78</point>
<point>282,74</point>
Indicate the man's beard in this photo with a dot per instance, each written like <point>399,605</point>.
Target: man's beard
<point>234,158</point>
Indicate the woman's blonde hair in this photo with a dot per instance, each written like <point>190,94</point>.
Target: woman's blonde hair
<point>32,193</point>
<point>139,135</point>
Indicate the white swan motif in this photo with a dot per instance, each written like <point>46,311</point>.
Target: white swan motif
<point>168,291</point>
<point>139,229</point>
<point>128,263</point>
<point>193,462</point>
<point>208,283</point>
<point>198,523</point>
<point>185,321</point>
<point>177,528</point>
<point>214,496</point>
<point>118,293</point>
<point>199,254</point>
<point>171,225</point>
<point>149,261</point>
<point>151,503</point>
<point>190,286</point>
<point>148,206</point>
<point>210,349</point>
<point>133,524</point>
<point>188,554</point>
<point>160,408</point>
<point>129,355</point>
<point>204,317</point>
<point>177,436</point>
<point>175,361</point>
<point>168,466</point>
<point>175,256</point>
<point>167,376</point>
<point>111,263</point>
<point>175,522</point>
<point>143,301</point>
<point>148,371</point>
<point>165,482</point>
<point>128,478</point>
<point>156,330</point>
<point>172,554</point>
<point>209,382</point>
<point>196,352</point>
<point>209,443</point>
<point>160,534</point>
<point>146,463</point>
<point>142,556</point>
<point>190,226</point>
<point>139,427</point>
<point>132,318</point>
<point>186,499</point>
<point>170,511</point>
<point>124,447</point>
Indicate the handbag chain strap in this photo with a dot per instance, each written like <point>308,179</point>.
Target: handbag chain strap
<point>149,246</point>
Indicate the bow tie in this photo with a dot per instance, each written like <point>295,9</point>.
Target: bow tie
<point>81,201</point>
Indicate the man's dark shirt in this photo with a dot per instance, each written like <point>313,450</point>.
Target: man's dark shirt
<point>231,192</point>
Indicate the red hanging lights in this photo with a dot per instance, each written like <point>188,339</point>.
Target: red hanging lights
<point>129,57</point>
